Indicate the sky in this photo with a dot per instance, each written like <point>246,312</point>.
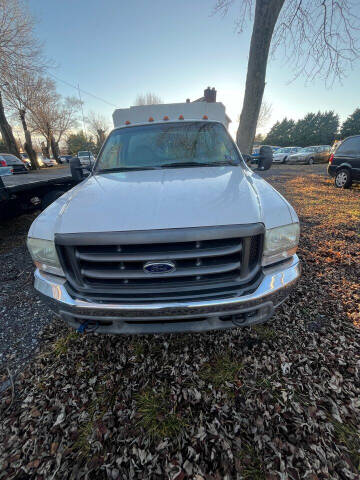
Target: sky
<point>116,49</point>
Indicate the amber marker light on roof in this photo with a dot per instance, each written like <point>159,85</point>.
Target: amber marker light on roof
<point>166,118</point>
<point>151,119</point>
<point>127,122</point>
<point>205,117</point>
<point>181,117</point>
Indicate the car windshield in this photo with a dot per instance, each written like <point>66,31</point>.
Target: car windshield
<point>184,144</point>
<point>307,150</point>
<point>283,150</point>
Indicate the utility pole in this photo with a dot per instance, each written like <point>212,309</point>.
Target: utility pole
<point>82,110</point>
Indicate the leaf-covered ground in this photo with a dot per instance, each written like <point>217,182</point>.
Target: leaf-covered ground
<point>279,401</point>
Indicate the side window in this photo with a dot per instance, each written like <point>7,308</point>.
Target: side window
<point>350,146</point>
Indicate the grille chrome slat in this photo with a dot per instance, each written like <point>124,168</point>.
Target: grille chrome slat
<point>181,272</point>
<point>117,257</point>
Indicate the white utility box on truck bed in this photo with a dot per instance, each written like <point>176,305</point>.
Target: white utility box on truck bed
<point>170,232</point>
<point>189,111</point>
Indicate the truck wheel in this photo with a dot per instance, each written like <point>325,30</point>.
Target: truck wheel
<point>343,178</point>
<point>49,198</point>
<point>311,161</point>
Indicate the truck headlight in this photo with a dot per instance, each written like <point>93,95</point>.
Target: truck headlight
<point>44,255</point>
<point>280,243</point>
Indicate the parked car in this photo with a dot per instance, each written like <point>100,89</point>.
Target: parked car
<point>4,171</point>
<point>311,155</point>
<point>86,158</point>
<point>344,163</point>
<point>170,232</point>
<point>66,158</point>
<point>45,161</point>
<point>281,155</point>
<point>9,160</point>
<point>26,160</point>
<point>50,162</point>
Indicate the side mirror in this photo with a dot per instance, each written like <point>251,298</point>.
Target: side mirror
<point>265,158</point>
<point>76,169</point>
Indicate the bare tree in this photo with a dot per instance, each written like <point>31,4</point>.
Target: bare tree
<point>43,112</point>
<point>148,99</point>
<point>98,127</point>
<point>19,51</point>
<point>264,115</point>
<point>318,38</point>
<point>67,118</point>
<point>22,90</point>
<point>52,117</point>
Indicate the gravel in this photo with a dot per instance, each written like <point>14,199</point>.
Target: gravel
<point>23,316</point>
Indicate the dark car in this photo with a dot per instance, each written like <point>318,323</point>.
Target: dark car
<point>9,160</point>
<point>344,163</point>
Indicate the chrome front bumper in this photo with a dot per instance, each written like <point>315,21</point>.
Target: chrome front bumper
<point>170,317</point>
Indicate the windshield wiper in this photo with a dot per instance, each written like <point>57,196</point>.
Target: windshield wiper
<point>124,169</point>
<point>198,164</point>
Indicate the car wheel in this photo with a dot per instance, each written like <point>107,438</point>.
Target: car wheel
<point>284,160</point>
<point>311,161</point>
<point>343,178</point>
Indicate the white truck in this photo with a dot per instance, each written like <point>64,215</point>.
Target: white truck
<point>170,232</point>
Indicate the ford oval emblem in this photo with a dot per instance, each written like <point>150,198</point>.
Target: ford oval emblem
<point>159,267</point>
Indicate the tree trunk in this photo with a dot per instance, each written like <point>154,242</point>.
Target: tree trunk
<point>55,148</point>
<point>266,15</point>
<point>6,132</point>
<point>28,142</point>
<point>46,149</point>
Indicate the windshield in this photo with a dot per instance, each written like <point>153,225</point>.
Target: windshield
<point>168,145</point>
<point>84,154</point>
<point>283,150</point>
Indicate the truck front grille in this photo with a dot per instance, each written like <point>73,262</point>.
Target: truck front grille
<point>204,269</point>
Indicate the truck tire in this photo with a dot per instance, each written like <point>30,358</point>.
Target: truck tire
<point>343,178</point>
<point>49,198</point>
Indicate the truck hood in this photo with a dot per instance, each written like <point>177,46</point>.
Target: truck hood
<point>166,198</point>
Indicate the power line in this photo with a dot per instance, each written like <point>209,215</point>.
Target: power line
<point>83,91</point>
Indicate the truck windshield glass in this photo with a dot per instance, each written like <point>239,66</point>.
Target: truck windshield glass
<point>168,145</point>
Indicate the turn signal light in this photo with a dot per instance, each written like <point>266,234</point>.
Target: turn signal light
<point>331,158</point>
<point>166,118</point>
<point>205,117</point>
<point>127,122</point>
<point>181,117</point>
<point>151,119</point>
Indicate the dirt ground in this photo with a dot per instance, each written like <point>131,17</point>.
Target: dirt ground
<point>276,401</point>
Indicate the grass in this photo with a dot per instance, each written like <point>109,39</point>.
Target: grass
<point>156,417</point>
<point>264,332</point>
<point>61,346</point>
<point>221,370</point>
<point>349,436</point>
<point>251,465</point>
<point>98,407</point>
